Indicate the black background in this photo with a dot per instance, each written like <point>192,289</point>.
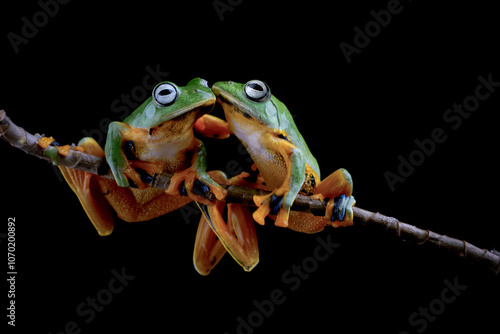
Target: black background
<point>360,116</point>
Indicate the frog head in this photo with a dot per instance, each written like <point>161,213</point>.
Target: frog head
<point>169,101</point>
<point>253,100</point>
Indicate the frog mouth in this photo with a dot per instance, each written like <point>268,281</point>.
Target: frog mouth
<point>204,106</point>
<point>224,98</point>
<point>221,95</point>
<point>235,105</point>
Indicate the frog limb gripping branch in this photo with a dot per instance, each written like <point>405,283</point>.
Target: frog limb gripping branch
<point>72,157</point>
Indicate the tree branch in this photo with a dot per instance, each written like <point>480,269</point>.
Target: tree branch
<point>28,143</point>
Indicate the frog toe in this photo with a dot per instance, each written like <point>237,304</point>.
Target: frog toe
<point>200,188</point>
<point>182,189</point>
<point>205,183</point>
<point>195,185</point>
<point>139,179</point>
<point>275,203</point>
<point>271,204</point>
<point>341,210</point>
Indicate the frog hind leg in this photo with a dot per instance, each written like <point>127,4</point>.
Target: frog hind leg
<point>337,188</point>
<point>306,222</point>
<point>99,196</point>
<point>208,250</point>
<point>87,188</point>
<point>135,205</point>
<point>238,236</point>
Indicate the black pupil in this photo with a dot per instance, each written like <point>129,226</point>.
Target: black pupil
<point>256,87</point>
<point>165,92</point>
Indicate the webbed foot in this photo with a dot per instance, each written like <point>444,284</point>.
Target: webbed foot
<point>196,185</point>
<point>272,204</point>
<point>336,189</point>
<point>340,210</point>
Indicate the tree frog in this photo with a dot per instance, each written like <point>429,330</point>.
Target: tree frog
<point>282,160</point>
<point>157,137</point>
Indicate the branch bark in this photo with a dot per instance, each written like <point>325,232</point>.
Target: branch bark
<point>28,143</point>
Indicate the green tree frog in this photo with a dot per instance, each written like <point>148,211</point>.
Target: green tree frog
<point>284,165</point>
<point>157,137</point>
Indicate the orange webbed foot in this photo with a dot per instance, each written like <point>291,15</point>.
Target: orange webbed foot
<point>337,189</point>
<point>271,204</point>
<point>196,185</point>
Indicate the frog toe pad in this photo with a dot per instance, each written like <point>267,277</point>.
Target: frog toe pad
<point>271,204</point>
<point>342,213</point>
<point>195,185</point>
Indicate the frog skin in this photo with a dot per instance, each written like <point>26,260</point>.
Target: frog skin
<point>285,167</point>
<point>157,137</point>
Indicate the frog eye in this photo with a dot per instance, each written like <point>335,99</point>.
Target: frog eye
<point>165,94</point>
<point>257,91</point>
<point>204,83</point>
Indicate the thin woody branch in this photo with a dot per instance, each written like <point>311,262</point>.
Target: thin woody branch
<point>28,143</point>
<point>25,141</point>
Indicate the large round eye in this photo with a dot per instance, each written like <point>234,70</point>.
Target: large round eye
<point>257,91</point>
<point>165,94</point>
<point>205,83</point>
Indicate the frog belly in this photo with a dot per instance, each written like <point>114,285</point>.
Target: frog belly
<point>254,137</point>
<point>271,166</point>
<point>173,152</point>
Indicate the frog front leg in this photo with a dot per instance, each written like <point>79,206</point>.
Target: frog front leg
<point>337,188</point>
<point>196,177</point>
<point>279,201</point>
<point>123,168</point>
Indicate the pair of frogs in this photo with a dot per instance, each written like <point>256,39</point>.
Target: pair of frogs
<point>158,137</point>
